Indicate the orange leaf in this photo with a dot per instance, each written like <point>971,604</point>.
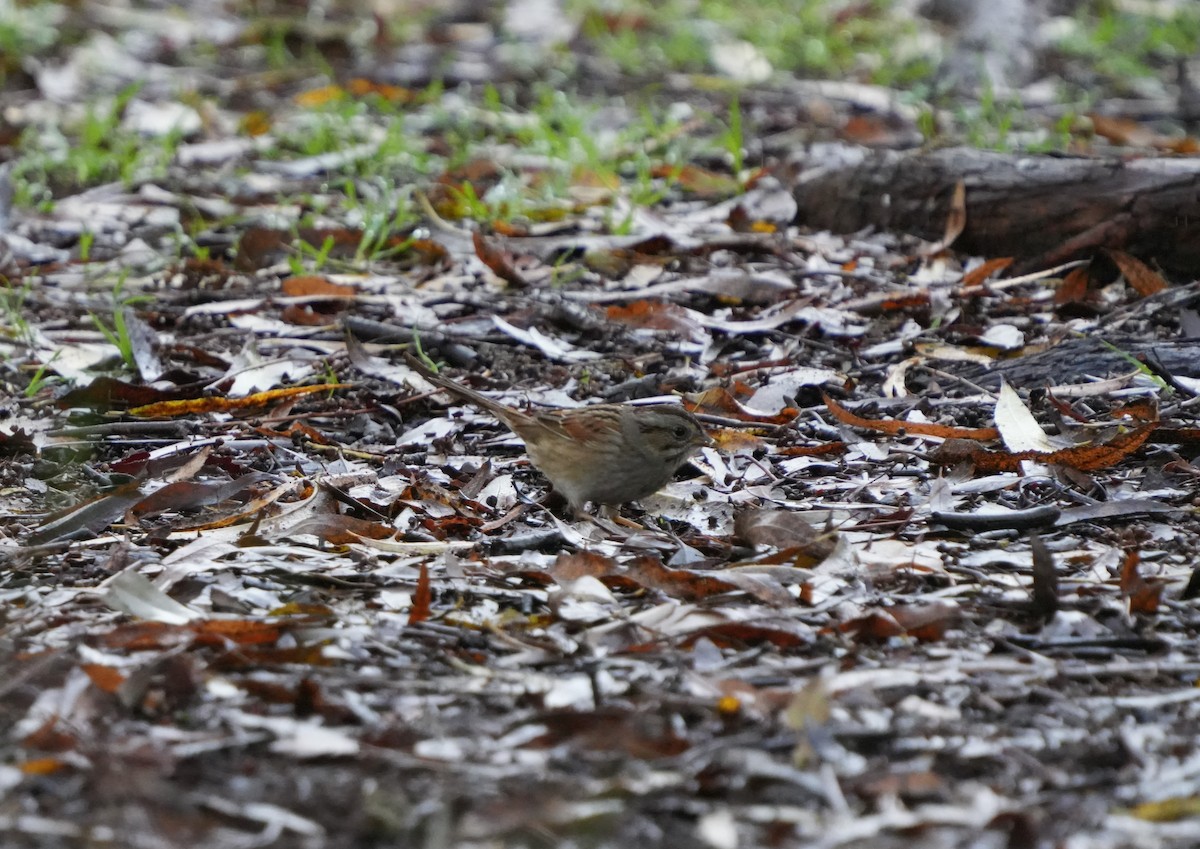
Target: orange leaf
<point>1074,287</point>
<point>956,219</point>
<point>305,315</point>
<point>894,426</point>
<point>49,737</point>
<point>315,97</point>
<point>684,584</point>
<point>256,123</point>
<point>1123,131</point>
<point>905,301</point>
<point>243,632</point>
<point>1144,280</point>
<point>242,658</point>
<point>303,285</point>
<point>43,766</point>
<point>652,315</point>
<point>105,678</point>
<point>720,400</point>
<point>360,87</point>
<point>498,260</point>
<point>976,276</point>
<point>422,599</point>
<point>1084,458</point>
<point>1144,596</point>
<point>924,622</point>
<point>194,406</point>
<point>579,564</point>
<point>867,129</point>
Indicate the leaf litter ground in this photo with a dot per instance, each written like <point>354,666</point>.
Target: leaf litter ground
<point>262,586</point>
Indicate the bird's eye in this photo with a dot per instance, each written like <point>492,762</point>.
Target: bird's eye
<point>679,432</point>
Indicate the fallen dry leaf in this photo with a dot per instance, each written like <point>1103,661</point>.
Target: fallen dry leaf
<point>895,427</point>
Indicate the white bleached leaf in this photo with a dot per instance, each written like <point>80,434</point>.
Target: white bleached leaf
<point>741,61</point>
<point>301,738</point>
<point>718,830</point>
<point>1006,337</point>
<point>553,349</point>
<point>1018,428</point>
<point>132,593</point>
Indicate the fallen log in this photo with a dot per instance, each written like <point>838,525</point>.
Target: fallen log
<point>1040,209</point>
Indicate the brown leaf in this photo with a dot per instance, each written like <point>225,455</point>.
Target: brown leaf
<point>360,87</point>
<point>653,315</point>
<point>1138,409</point>
<point>684,584</point>
<point>50,737</point>
<point>742,635</point>
<point>422,599</point>
<point>739,221</point>
<point>105,678</point>
<point>17,443</point>
<point>571,566</point>
<point>307,285</point>
<point>1176,436</point>
<point>1084,458</point>
<point>192,495</point>
<point>1089,458</point>
<point>902,301</point>
<point>956,220</point>
<point>976,276</point>
<point>720,401</point>
<point>639,734</point>
<point>340,529</point>
<point>307,315</point>
<point>894,426</point>
<point>1123,131</point>
<point>825,449</point>
<point>1143,595</point>
<point>1144,280</point>
<point>786,530</point>
<point>868,129</point>
<point>1074,287</point>
<point>243,632</point>
<point>90,517</point>
<point>919,784</point>
<point>244,658</point>
<point>144,636</point>
<point>1045,579</point>
<point>924,622</point>
<point>498,260</point>
<point>108,393</point>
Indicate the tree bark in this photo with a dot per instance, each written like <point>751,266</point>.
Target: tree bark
<point>1042,210</point>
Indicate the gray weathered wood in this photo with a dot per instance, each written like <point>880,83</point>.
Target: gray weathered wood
<point>1040,209</point>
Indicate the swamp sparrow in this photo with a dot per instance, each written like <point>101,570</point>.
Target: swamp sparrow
<point>606,453</point>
